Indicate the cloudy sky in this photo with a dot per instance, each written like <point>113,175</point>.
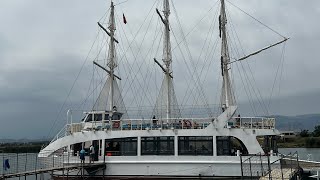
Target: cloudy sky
<point>43,45</point>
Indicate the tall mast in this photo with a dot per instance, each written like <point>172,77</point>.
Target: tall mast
<point>167,58</point>
<point>167,95</point>
<point>227,98</point>
<point>111,55</point>
<point>110,97</point>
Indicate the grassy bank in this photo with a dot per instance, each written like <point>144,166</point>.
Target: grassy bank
<point>300,142</point>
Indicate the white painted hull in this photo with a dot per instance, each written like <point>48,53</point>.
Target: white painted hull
<point>177,166</point>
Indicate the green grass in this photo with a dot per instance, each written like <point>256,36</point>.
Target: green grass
<point>300,142</point>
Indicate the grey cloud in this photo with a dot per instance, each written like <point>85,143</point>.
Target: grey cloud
<point>43,45</point>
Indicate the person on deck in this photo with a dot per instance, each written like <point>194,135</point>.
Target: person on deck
<point>238,121</point>
<point>154,121</point>
<point>92,152</point>
<point>82,155</point>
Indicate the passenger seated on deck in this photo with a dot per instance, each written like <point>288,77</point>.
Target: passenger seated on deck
<point>187,124</point>
<point>195,125</point>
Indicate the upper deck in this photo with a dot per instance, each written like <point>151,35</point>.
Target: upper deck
<point>164,124</point>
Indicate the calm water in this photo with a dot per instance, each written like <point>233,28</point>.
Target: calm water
<point>304,153</point>
<point>312,154</point>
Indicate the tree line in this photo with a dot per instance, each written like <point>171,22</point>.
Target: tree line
<point>312,138</point>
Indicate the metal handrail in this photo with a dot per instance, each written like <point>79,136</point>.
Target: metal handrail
<point>155,124</point>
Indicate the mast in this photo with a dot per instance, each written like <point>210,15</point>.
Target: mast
<point>167,95</point>
<point>227,97</point>
<point>167,58</point>
<point>110,98</point>
<point>111,55</point>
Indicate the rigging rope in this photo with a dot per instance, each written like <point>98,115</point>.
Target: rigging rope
<point>135,58</point>
<point>190,57</point>
<point>256,19</point>
<point>258,92</point>
<point>207,58</point>
<point>277,72</point>
<point>196,25</point>
<point>69,93</point>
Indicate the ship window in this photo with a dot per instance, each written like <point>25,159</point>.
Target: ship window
<point>268,143</point>
<point>98,117</point>
<point>89,118</point>
<point>228,146</point>
<point>157,145</point>
<point>76,148</point>
<point>121,147</point>
<point>116,117</point>
<point>224,146</point>
<point>195,145</point>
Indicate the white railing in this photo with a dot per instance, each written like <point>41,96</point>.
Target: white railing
<point>62,133</point>
<point>148,124</point>
<point>134,124</point>
<point>158,124</point>
<point>252,123</point>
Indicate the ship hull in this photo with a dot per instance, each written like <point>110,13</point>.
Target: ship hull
<point>227,167</point>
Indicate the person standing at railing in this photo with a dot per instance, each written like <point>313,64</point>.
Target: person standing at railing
<point>92,152</point>
<point>238,120</point>
<point>82,155</point>
<point>154,121</point>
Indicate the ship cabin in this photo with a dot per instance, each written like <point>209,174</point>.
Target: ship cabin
<point>96,120</point>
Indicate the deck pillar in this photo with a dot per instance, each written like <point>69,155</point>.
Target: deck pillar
<point>103,147</point>
<point>214,139</point>
<point>139,146</point>
<point>175,145</point>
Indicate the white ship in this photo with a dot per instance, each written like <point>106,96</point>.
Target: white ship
<point>166,144</point>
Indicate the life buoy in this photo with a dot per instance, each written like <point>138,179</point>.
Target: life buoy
<point>116,124</point>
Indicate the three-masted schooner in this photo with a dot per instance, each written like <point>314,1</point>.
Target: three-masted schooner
<point>167,145</point>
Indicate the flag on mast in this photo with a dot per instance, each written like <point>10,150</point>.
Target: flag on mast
<point>124,19</point>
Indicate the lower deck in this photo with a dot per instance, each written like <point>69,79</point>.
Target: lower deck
<point>172,146</point>
<point>182,166</point>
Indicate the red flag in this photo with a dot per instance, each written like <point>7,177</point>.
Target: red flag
<point>124,19</point>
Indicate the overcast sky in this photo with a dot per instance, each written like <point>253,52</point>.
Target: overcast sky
<point>43,45</point>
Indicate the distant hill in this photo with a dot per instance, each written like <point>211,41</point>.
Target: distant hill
<point>297,123</point>
<point>22,140</point>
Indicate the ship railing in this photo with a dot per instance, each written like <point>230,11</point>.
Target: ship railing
<point>140,124</point>
<point>20,164</point>
<point>65,131</point>
<point>251,123</point>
